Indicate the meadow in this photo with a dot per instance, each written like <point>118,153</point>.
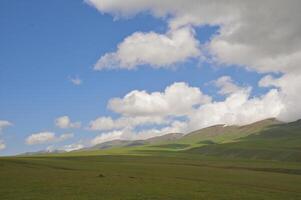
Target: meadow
<point>154,176</point>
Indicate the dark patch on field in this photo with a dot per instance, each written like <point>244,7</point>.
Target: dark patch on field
<point>135,144</point>
<point>173,146</point>
<point>206,142</point>
<point>101,175</point>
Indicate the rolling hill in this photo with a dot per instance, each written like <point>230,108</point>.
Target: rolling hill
<point>268,139</point>
<point>280,141</point>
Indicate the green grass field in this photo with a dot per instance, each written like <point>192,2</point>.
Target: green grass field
<point>170,176</point>
<point>158,176</point>
<point>258,161</point>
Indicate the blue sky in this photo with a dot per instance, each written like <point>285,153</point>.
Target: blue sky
<point>46,44</point>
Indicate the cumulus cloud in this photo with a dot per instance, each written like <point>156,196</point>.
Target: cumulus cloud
<point>46,137</point>
<point>263,35</point>
<point>65,122</point>
<point>177,99</point>
<point>131,134</point>
<point>237,109</point>
<point>2,145</point>
<point>157,50</point>
<point>175,126</point>
<point>288,86</point>
<point>109,136</point>
<point>227,86</point>
<point>4,124</point>
<point>40,138</point>
<point>107,123</point>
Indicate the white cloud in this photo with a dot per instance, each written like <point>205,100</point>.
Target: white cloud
<point>288,86</point>
<point>174,127</point>
<point>4,124</point>
<point>237,109</point>
<point>2,145</point>
<point>40,138</point>
<point>157,50</point>
<point>227,86</point>
<point>131,134</point>
<point>177,99</point>
<point>76,80</point>
<point>65,122</point>
<point>109,136</point>
<point>267,81</point>
<point>107,123</point>
<point>260,34</point>
<point>72,147</point>
<point>46,137</point>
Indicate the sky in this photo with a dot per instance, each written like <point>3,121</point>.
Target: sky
<point>76,73</point>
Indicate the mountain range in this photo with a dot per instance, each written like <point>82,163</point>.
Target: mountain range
<point>269,139</point>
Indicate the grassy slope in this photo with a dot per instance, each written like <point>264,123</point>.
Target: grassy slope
<point>225,134</point>
<point>277,142</point>
<point>216,134</point>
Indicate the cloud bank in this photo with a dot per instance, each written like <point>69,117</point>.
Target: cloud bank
<point>263,35</point>
<point>183,108</point>
<point>46,137</point>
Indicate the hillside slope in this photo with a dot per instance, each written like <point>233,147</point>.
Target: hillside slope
<point>268,139</point>
<point>276,142</point>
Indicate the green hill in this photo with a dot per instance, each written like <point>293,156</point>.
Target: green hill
<point>268,139</point>
<point>218,134</point>
<point>223,134</point>
<point>275,142</point>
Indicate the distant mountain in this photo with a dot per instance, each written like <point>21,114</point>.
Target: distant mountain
<point>115,143</point>
<point>42,152</point>
<point>130,143</point>
<point>177,141</point>
<point>268,139</point>
<point>164,138</point>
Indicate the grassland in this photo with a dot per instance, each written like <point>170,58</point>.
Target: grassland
<point>157,176</point>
